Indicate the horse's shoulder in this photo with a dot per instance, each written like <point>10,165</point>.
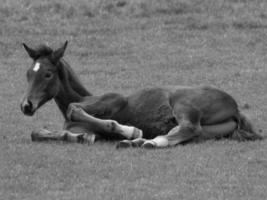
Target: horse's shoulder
<point>113,101</point>
<point>104,106</point>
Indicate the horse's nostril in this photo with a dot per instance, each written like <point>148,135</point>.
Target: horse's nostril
<point>29,105</point>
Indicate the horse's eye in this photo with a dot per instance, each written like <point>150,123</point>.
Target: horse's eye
<point>48,75</point>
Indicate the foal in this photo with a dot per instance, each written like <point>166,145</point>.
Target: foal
<point>156,117</point>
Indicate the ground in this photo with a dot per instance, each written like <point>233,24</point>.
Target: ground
<point>121,46</point>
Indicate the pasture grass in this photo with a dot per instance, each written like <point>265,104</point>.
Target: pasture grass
<point>123,46</point>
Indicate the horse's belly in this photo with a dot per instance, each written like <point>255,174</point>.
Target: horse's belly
<point>153,120</point>
<point>151,112</point>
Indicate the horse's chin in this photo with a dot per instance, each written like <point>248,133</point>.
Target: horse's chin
<point>29,113</point>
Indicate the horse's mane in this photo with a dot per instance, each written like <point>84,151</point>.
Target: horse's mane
<point>44,50</point>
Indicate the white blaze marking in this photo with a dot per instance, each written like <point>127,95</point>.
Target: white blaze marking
<point>36,67</point>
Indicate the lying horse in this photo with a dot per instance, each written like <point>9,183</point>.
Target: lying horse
<point>156,117</point>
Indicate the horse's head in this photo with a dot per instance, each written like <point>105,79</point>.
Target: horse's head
<point>42,77</point>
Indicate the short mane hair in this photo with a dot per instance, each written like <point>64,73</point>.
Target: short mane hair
<point>44,50</point>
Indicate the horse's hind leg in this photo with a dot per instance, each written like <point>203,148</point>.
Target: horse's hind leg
<point>178,135</point>
<point>189,127</point>
<point>107,128</point>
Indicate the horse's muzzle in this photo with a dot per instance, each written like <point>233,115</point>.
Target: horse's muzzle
<point>27,107</point>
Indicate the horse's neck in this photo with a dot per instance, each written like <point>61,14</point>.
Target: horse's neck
<point>71,89</point>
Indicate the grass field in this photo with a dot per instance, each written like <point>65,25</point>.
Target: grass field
<point>122,46</point>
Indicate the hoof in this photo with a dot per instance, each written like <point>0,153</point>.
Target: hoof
<point>138,142</point>
<point>88,138</point>
<point>149,145</point>
<point>137,133</point>
<point>39,135</point>
<point>34,136</point>
<point>124,144</point>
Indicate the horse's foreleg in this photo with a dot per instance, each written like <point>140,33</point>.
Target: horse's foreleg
<point>46,135</point>
<point>65,135</point>
<point>103,127</point>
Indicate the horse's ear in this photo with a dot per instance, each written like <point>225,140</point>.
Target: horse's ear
<point>59,53</point>
<point>32,53</point>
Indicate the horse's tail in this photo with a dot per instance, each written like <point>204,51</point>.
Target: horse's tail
<point>245,130</point>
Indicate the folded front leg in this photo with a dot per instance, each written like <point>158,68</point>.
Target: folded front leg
<point>104,127</point>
